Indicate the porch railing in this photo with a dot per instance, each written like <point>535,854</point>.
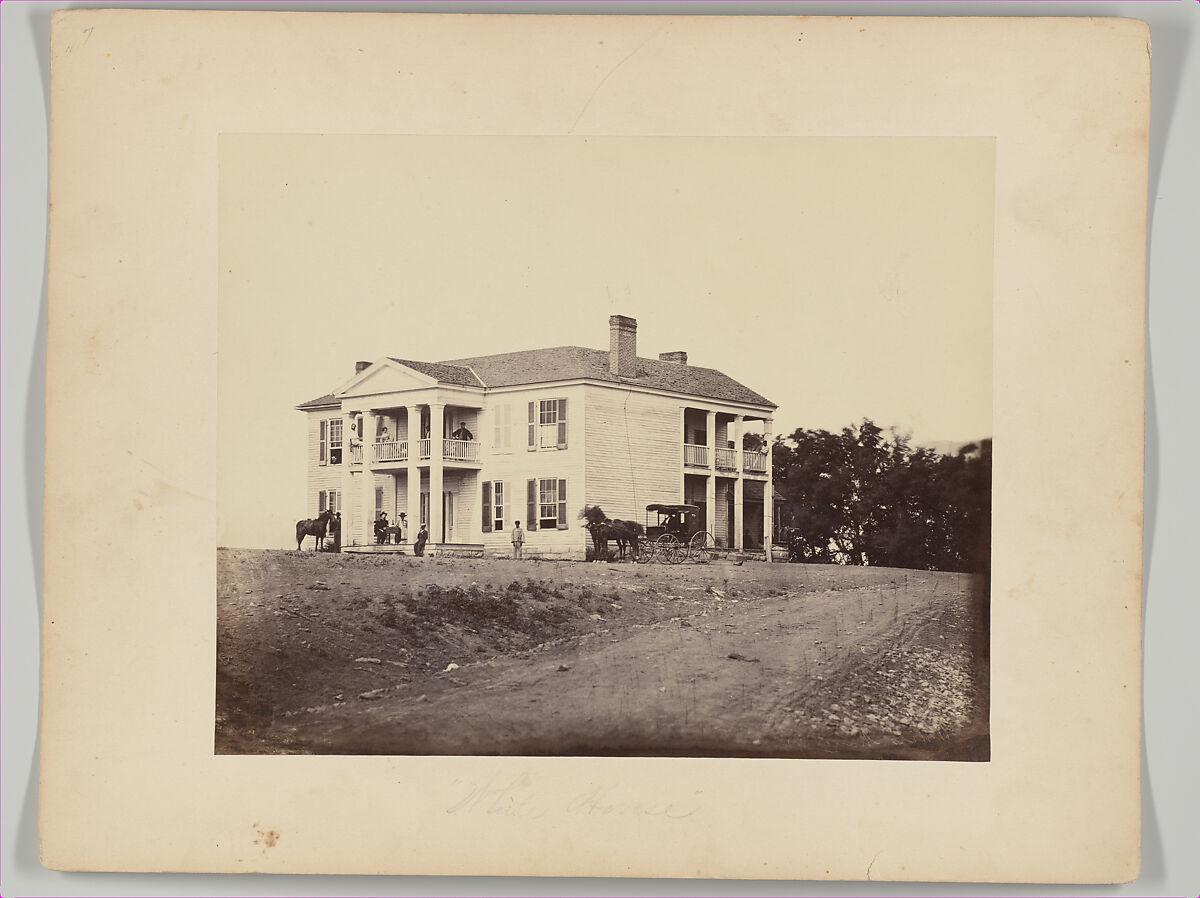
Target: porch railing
<point>695,455</point>
<point>754,462</point>
<point>727,459</point>
<point>391,450</point>
<point>460,450</point>
<point>423,449</point>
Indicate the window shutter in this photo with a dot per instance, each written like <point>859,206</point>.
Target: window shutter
<point>562,424</point>
<point>532,425</point>
<point>562,502</point>
<point>321,498</point>
<point>531,505</point>
<point>322,443</point>
<point>487,506</point>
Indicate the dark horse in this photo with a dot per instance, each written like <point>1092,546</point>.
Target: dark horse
<point>313,527</point>
<point>626,533</point>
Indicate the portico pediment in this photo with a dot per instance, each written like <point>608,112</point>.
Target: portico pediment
<point>385,376</point>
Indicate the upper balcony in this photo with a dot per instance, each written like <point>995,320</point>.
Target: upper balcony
<point>388,452</point>
<point>754,462</point>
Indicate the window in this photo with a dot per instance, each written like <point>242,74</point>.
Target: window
<point>493,506</point>
<point>546,505</point>
<point>502,428</point>
<point>548,424</point>
<point>329,442</point>
<point>329,500</point>
<point>378,501</point>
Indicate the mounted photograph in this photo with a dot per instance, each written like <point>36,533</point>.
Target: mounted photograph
<point>604,446</point>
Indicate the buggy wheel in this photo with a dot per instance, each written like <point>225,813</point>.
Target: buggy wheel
<point>668,548</point>
<point>645,552</point>
<point>702,547</point>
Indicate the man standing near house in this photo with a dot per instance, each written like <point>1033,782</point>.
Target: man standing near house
<point>422,538</point>
<point>518,540</point>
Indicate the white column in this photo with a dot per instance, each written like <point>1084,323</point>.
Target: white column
<point>710,431</point>
<point>682,454</point>
<point>349,537</point>
<point>437,417</point>
<point>710,485</point>
<point>739,492</point>
<point>414,473</point>
<point>366,520</point>
<point>768,492</point>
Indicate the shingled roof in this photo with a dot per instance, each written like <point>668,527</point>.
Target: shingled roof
<point>532,366</point>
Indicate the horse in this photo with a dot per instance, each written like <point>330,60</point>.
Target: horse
<point>313,527</point>
<point>626,533</point>
<point>595,518</point>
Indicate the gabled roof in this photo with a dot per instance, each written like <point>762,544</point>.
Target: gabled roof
<point>445,372</point>
<point>320,402</point>
<point>533,366</point>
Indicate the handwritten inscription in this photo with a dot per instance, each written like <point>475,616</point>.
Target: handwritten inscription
<point>518,796</point>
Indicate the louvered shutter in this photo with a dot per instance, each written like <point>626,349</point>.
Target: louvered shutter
<point>531,506</point>
<point>562,503</point>
<point>562,424</point>
<point>532,426</point>
<point>487,506</point>
<point>323,442</point>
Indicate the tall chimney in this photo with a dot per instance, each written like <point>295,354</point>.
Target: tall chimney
<point>679,358</point>
<point>622,346</point>
<point>360,367</point>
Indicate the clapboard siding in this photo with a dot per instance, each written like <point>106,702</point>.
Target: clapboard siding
<point>320,477</point>
<point>634,451</point>
<point>516,465</point>
<point>720,517</point>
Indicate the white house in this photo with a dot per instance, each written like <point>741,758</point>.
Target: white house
<point>547,431</point>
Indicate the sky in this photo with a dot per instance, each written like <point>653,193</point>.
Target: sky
<point>840,277</point>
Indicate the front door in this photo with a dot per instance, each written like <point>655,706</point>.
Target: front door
<point>447,517</point>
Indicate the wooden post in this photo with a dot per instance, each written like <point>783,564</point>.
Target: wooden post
<point>739,491</point>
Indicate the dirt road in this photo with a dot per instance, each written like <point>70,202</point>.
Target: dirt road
<point>781,660</point>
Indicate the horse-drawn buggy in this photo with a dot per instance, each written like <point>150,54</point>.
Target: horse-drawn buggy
<point>676,536</point>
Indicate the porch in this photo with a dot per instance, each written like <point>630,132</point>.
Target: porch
<point>732,444</point>
<point>397,451</point>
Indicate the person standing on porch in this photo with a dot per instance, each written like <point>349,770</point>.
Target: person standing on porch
<point>518,540</point>
<point>462,433</point>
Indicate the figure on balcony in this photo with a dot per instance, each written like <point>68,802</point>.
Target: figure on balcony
<point>462,433</point>
<point>384,436</point>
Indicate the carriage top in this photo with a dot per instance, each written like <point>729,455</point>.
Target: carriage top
<point>673,509</point>
<point>681,519</point>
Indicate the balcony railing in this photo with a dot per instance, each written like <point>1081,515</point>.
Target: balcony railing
<point>460,450</point>
<point>423,448</point>
<point>754,462</point>
<point>727,459</point>
<point>391,450</point>
<point>694,455</point>
<point>356,455</point>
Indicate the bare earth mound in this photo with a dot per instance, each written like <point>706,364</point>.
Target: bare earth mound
<point>360,654</point>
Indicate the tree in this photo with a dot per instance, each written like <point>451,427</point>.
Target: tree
<point>866,496</point>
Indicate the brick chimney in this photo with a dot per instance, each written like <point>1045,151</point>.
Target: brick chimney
<point>360,367</point>
<point>679,358</point>
<point>622,346</point>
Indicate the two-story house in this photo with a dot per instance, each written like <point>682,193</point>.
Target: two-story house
<point>468,446</point>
